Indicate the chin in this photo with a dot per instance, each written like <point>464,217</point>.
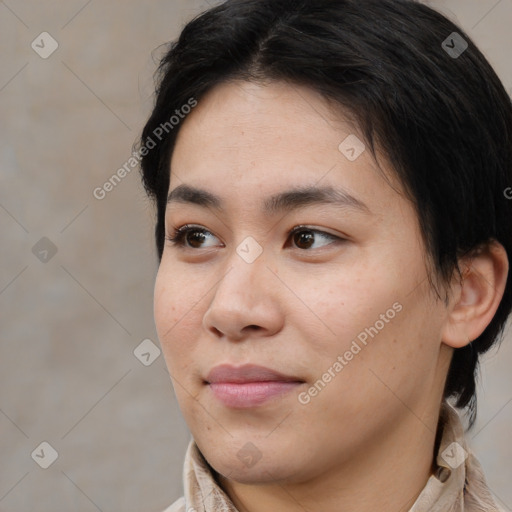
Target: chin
<point>261,473</point>
<point>247,465</point>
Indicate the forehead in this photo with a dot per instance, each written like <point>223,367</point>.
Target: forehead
<point>245,140</point>
<point>266,112</point>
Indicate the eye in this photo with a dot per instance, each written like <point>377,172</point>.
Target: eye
<point>192,237</point>
<point>305,237</point>
<point>181,238</point>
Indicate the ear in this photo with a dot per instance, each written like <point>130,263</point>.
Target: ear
<point>475,297</point>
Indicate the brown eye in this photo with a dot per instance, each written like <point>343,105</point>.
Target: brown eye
<point>195,237</point>
<point>304,237</point>
<point>189,237</point>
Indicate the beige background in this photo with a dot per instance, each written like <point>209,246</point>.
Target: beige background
<point>69,326</point>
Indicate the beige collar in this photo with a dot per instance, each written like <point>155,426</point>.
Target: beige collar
<point>458,483</point>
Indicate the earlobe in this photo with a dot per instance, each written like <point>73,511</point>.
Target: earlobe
<point>476,295</point>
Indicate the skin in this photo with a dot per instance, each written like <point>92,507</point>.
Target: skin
<point>365,442</point>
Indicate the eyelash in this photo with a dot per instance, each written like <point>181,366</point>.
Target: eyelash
<point>178,236</point>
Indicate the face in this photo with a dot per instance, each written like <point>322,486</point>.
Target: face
<point>330,294</point>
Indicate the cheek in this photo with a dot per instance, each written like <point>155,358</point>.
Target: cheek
<point>340,307</point>
<point>175,318</point>
<point>373,319</point>
<point>165,304</point>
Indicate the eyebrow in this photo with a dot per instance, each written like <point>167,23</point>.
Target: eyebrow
<point>284,201</point>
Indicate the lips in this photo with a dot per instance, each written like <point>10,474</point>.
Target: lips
<point>247,373</point>
<point>249,386</point>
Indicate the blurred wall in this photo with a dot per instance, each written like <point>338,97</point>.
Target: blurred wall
<point>77,272</point>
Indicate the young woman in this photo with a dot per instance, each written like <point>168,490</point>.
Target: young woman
<point>333,234</point>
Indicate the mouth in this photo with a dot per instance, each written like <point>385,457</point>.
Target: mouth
<point>249,385</point>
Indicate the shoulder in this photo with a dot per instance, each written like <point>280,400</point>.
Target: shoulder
<point>177,506</point>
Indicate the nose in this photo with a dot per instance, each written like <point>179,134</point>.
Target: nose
<point>245,302</point>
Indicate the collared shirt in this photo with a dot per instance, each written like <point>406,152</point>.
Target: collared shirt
<point>457,485</point>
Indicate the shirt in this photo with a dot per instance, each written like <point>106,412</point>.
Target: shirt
<point>457,485</point>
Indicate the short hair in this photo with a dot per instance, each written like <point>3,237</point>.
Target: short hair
<point>435,107</point>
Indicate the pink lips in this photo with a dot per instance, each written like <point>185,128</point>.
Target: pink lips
<point>248,385</point>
